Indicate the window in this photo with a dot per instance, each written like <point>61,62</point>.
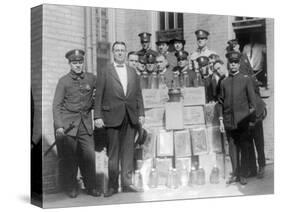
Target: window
<point>101,24</point>
<point>169,21</point>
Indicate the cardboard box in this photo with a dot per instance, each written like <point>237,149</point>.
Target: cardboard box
<point>182,143</point>
<point>199,140</point>
<point>194,96</point>
<point>174,115</point>
<point>212,114</point>
<point>163,165</point>
<point>155,117</point>
<point>214,139</point>
<point>207,162</point>
<point>154,97</point>
<point>193,115</point>
<point>149,146</point>
<point>165,145</point>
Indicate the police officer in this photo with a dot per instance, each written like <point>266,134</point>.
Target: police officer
<point>256,131</point>
<point>73,103</point>
<point>163,47</point>
<point>145,43</point>
<point>187,76</point>
<point>202,48</point>
<point>237,106</point>
<point>205,79</point>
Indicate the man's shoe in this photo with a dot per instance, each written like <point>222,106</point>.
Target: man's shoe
<point>93,192</point>
<point>232,179</point>
<point>260,174</point>
<point>131,188</point>
<point>243,180</point>
<point>72,193</point>
<point>110,192</point>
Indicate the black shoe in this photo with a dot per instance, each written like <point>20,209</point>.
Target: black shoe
<point>72,193</point>
<point>232,179</point>
<point>252,173</point>
<point>260,174</point>
<point>110,192</point>
<point>243,180</point>
<point>93,192</point>
<point>131,188</point>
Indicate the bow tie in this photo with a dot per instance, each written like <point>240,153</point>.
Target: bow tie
<point>120,66</point>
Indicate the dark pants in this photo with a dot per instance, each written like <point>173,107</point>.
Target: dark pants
<point>77,151</point>
<point>121,148</point>
<point>257,140</point>
<point>238,150</point>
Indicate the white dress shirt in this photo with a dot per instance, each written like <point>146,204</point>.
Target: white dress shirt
<point>122,74</point>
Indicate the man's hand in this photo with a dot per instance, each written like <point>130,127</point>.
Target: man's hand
<point>99,123</point>
<point>222,126</point>
<point>59,132</point>
<point>141,120</point>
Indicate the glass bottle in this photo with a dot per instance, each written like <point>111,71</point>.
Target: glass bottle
<point>186,83</point>
<point>154,80</point>
<point>197,81</point>
<point>193,176</point>
<point>138,180</point>
<point>184,177</point>
<point>144,80</point>
<point>214,176</point>
<point>201,176</point>
<point>153,178</point>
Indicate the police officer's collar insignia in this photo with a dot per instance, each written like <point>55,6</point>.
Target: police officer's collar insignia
<point>77,76</point>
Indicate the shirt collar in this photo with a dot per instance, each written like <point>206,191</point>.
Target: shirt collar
<point>116,65</point>
<point>75,76</point>
<point>202,50</point>
<point>233,74</point>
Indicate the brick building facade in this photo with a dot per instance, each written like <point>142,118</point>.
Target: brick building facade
<point>55,29</point>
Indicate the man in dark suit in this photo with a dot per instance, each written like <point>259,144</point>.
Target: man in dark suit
<point>73,103</point>
<point>237,110</point>
<point>119,108</point>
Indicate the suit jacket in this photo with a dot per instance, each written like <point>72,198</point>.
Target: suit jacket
<point>237,98</point>
<point>74,101</point>
<point>111,104</point>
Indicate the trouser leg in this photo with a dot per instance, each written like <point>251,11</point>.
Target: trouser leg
<point>86,156</point>
<point>67,148</point>
<point>127,135</point>
<point>242,143</point>
<point>259,143</point>
<point>252,155</point>
<point>113,157</point>
<point>232,152</point>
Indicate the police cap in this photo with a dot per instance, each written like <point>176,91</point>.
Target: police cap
<point>202,61</point>
<point>181,55</point>
<point>144,37</point>
<point>201,33</point>
<point>75,55</point>
<point>233,56</point>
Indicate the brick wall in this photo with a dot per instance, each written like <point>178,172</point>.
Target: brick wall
<point>216,25</point>
<point>269,121</point>
<point>63,29</point>
<point>129,23</point>
<point>36,69</point>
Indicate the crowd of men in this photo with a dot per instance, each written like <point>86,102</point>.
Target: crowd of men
<point>118,106</point>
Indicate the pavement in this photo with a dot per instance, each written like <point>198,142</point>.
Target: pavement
<point>254,187</point>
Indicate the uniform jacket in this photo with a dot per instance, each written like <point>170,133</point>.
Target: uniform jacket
<point>111,104</point>
<point>74,101</point>
<point>238,101</point>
